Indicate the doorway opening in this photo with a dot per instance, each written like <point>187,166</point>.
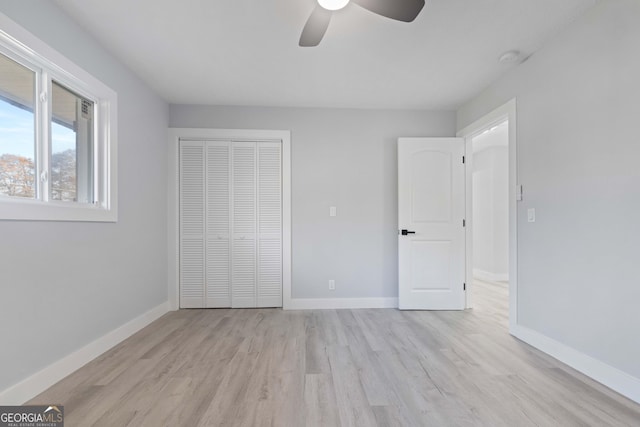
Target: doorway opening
<point>490,219</point>
<point>491,202</point>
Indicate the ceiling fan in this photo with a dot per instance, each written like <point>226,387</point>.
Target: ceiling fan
<point>318,22</point>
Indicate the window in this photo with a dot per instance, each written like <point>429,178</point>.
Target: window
<point>71,146</point>
<point>57,135</point>
<point>17,130</point>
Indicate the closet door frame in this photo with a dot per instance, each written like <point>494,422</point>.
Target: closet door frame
<point>173,256</point>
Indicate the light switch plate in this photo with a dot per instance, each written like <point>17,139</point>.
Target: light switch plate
<point>332,211</point>
<point>332,285</point>
<point>531,215</point>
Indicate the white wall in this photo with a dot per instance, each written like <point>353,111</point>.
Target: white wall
<point>578,102</point>
<point>342,158</point>
<point>63,285</point>
<point>491,205</point>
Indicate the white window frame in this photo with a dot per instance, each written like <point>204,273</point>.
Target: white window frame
<point>23,47</point>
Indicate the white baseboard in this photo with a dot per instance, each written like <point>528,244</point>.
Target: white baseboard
<point>341,303</point>
<point>42,380</point>
<point>607,375</point>
<point>489,276</point>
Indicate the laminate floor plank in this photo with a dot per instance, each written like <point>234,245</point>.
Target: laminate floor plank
<point>370,367</point>
<point>353,406</point>
<point>321,408</point>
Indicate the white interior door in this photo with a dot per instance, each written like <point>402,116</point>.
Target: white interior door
<point>269,272</point>
<point>257,225</point>
<point>218,223</point>
<point>244,215</point>
<point>431,207</point>
<point>230,224</point>
<point>192,224</point>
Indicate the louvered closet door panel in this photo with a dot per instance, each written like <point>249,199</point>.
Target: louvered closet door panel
<point>218,221</point>
<point>269,280</point>
<point>243,270</point>
<point>244,273</point>
<point>192,224</point>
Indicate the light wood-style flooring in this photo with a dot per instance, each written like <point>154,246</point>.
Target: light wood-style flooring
<point>378,367</point>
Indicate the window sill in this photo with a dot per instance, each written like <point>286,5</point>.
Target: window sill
<point>36,210</point>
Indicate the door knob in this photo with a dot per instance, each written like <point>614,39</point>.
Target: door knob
<point>405,232</point>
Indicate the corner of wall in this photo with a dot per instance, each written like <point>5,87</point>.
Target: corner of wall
<point>30,387</point>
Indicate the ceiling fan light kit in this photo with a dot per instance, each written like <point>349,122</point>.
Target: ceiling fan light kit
<point>318,22</point>
<point>333,4</point>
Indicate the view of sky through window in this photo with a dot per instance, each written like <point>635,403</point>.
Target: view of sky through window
<point>17,132</point>
<point>17,138</point>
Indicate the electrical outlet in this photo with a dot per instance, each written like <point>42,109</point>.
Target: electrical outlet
<point>332,285</point>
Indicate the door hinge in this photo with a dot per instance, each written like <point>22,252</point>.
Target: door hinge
<point>462,159</point>
<point>464,222</point>
<point>464,286</point>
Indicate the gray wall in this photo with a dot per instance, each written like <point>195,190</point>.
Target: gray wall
<point>578,102</point>
<point>342,158</point>
<point>63,285</point>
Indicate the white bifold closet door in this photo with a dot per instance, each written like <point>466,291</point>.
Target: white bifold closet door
<point>230,224</point>
<point>192,221</point>
<point>218,221</point>
<point>269,225</point>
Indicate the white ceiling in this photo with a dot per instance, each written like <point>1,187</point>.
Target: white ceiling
<point>245,52</point>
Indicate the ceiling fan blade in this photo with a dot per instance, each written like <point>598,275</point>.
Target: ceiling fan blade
<point>400,10</point>
<point>315,27</point>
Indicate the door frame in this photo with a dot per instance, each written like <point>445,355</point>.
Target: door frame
<point>499,115</point>
<point>173,230</point>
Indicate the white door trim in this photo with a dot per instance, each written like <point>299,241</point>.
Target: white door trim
<point>500,114</point>
<point>173,256</point>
